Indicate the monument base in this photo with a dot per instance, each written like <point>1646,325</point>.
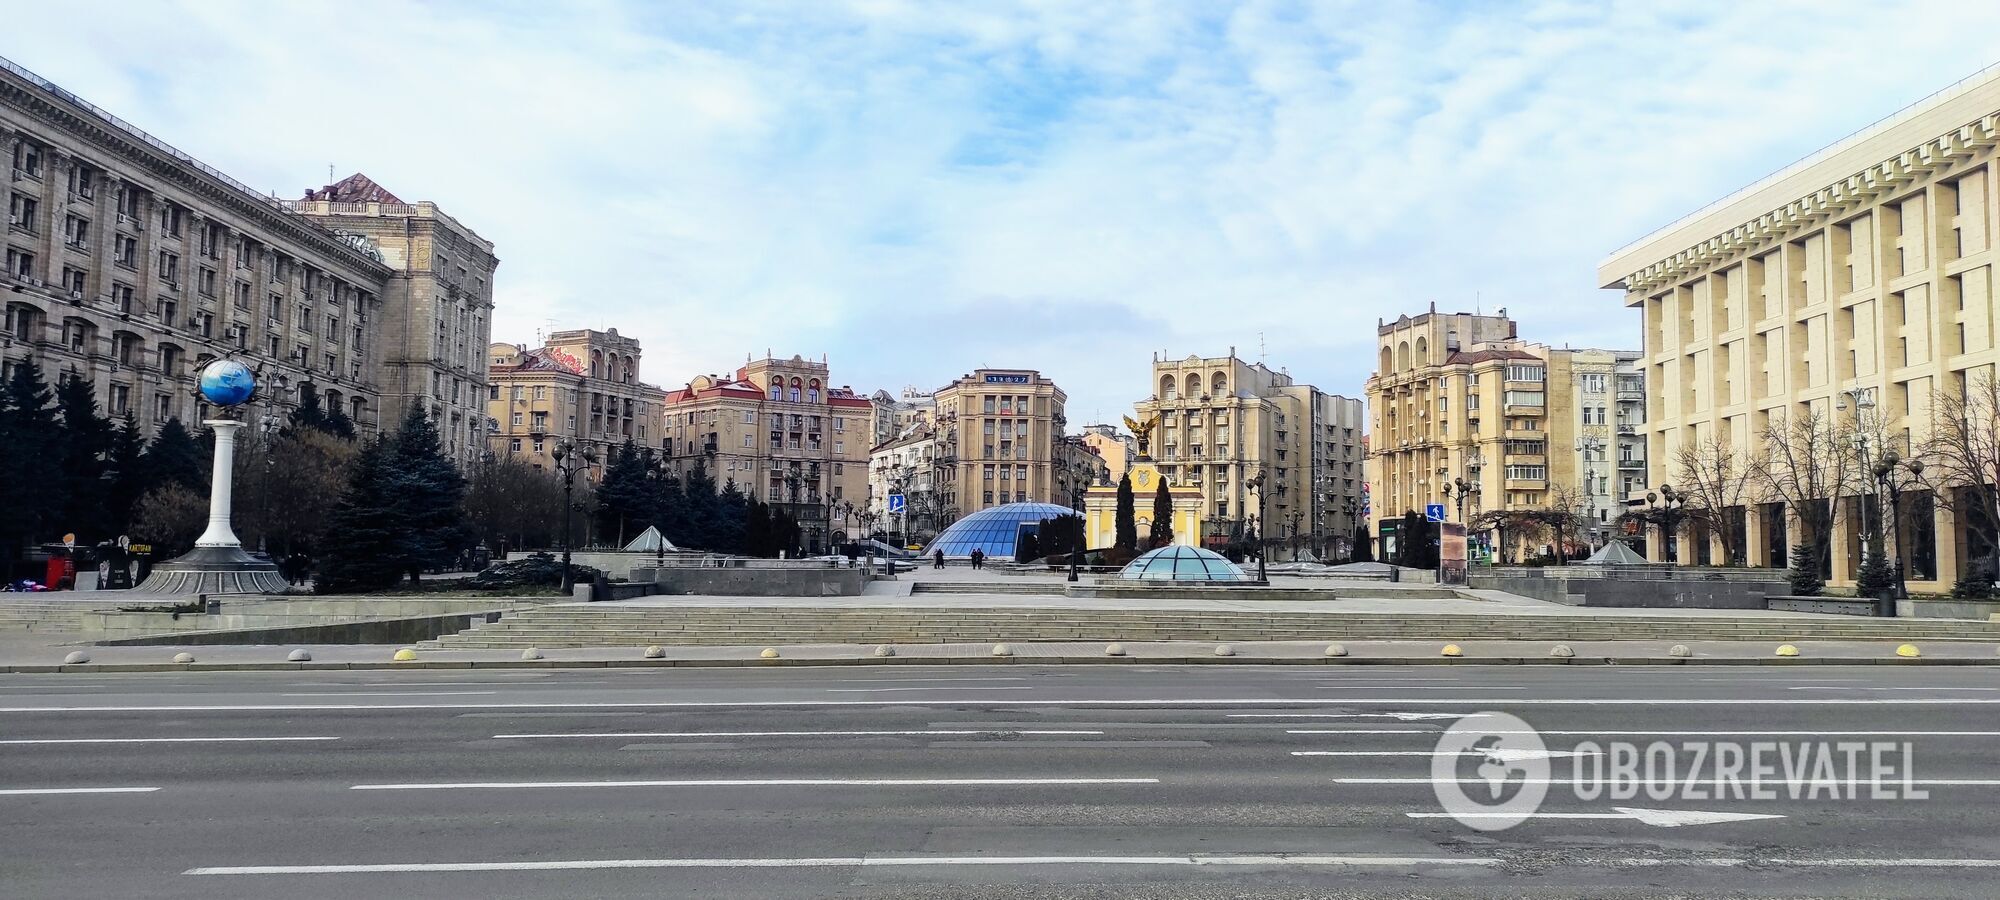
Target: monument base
<point>214,570</point>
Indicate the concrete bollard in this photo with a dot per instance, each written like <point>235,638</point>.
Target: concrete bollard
<point>1002,650</point>
<point>1909,651</point>
<point>407,654</point>
<point>1680,651</point>
<point>1787,650</point>
<point>1114,649</point>
<point>76,658</point>
<point>1562,651</point>
<point>1336,650</point>
<point>885,651</point>
<point>531,653</point>
<point>1224,650</point>
<point>655,652</point>
<point>298,656</point>
<point>183,658</point>
<point>1451,650</point>
<point>769,653</point>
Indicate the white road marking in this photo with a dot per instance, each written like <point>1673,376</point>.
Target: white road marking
<point>1830,688</point>
<point>1586,732</point>
<point>758,782</point>
<point>1191,702</point>
<point>383,684</point>
<point>852,861</point>
<point>1658,818</point>
<point>910,680</point>
<point>1400,716</point>
<point>163,740</point>
<point>737,734</point>
<point>1496,753</point>
<point>1894,783</point>
<point>1424,687</point>
<point>886,690</point>
<point>392,694</point>
<point>21,792</point>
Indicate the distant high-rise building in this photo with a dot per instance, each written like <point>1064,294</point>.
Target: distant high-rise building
<point>1005,427</point>
<point>580,386</point>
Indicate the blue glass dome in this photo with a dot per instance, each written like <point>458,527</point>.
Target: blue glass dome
<point>1182,563</point>
<point>994,530</point>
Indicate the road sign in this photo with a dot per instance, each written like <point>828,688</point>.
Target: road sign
<point>895,503</point>
<point>1434,512</point>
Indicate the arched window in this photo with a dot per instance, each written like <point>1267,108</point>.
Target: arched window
<point>1403,356</point>
<point>628,370</point>
<point>597,364</point>
<point>1423,351</point>
<point>1193,386</point>
<point>1388,361</point>
<point>1166,387</point>
<point>795,390</point>
<point>812,392</point>
<point>1219,385</point>
<point>777,389</point>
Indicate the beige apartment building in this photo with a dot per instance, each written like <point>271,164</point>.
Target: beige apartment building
<point>1115,448</point>
<point>129,263</point>
<point>1005,427</point>
<point>581,387</point>
<point>1858,283</point>
<point>1461,396</point>
<point>784,435</point>
<point>1222,421</point>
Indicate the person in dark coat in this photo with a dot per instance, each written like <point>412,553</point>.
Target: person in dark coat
<point>938,559</point>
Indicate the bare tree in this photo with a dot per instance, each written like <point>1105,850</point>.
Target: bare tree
<point>1716,483</point>
<point>1563,514</point>
<point>513,504</point>
<point>1961,458</point>
<point>1512,526</point>
<point>1807,462</point>
<point>170,517</point>
<point>287,487</point>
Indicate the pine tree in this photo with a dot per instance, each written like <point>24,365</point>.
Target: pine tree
<point>732,519</point>
<point>757,539</point>
<point>626,501</point>
<point>702,505</point>
<point>31,440</point>
<point>1804,574</point>
<point>174,455</point>
<point>127,470</point>
<point>309,414</point>
<point>1163,517</point>
<point>1127,519</point>
<point>429,496</point>
<point>366,543</point>
<point>1408,554</point>
<point>338,424</point>
<point>86,442</point>
<point>1364,549</point>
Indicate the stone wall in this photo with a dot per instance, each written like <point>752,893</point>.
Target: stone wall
<point>756,582</point>
<point>1639,593</point>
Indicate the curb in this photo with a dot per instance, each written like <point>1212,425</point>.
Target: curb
<point>1205,660</point>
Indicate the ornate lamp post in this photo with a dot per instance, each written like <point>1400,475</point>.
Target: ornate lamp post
<point>1892,484</point>
<point>569,461</point>
<point>1667,505</point>
<point>1256,483</point>
<point>1076,542</point>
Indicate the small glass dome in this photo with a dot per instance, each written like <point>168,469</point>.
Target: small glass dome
<point>994,531</point>
<point>1182,563</point>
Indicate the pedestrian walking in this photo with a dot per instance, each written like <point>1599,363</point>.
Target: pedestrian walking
<point>979,559</point>
<point>938,559</point>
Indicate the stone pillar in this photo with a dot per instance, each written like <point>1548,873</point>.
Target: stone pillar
<point>219,533</point>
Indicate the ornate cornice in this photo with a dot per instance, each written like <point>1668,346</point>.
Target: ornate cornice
<point>117,141</point>
<point>1829,202</point>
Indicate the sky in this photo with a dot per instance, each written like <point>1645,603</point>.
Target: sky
<point>917,189</point>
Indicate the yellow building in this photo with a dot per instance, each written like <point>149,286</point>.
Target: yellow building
<point>581,386</point>
<point>1007,426</point>
<point>1100,507</point>
<point>1856,284</point>
<point>1459,396</point>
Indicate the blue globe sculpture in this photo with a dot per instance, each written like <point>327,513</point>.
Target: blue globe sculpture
<point>227,382</point>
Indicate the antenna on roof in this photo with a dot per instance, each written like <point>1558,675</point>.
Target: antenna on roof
<point>1475,303</point>
<point>329,173</point>
<point>1260,348</point>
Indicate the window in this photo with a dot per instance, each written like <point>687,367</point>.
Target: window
<point>21,212</point>
<point>121,399</point>
<point>76,232</point>
<point>125,250</point>
<point>541,421</point>
<point>1523,398</point>
<point>839,424</point>
<point>514,445</point>
<point>72,280</point>
<point>1529,473</point>
<point>204,281</point>
<point>1533,372</point>
<point>171,217</point>
<point>305,319</point>
<point>748,440</point>
<point>28,159</point>
<point>121,297</point>
<point>242,295</point>
<point>492,392</point>
<point>170,268</point>
<point>749,418</point>
<point>1593,384</point>
<point>541,392</point>
<point>20,263</point>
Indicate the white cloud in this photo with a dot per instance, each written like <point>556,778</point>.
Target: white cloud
<point>917,188</point>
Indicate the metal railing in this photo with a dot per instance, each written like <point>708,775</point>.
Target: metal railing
<point>1640,572</point>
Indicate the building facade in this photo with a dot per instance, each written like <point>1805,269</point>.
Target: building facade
<point>437,310</point>
<point>130,264</point>
<point>1115,448</point>
<point>784,435</point>
<point>580,387</point>
<point>1220,422</point>
<point>912,464</point>
<point>1459,396</point>
<point>1004,428</point>
<point>1856,284</point>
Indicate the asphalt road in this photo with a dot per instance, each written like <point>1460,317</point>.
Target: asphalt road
<point>1209,781</point>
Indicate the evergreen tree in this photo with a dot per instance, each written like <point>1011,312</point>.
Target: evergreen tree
<point>732,519</point>
<point>1408,554</point>
<point>429,496</point>
<point>31,438</point>
<point>338,424</point>
<point>1364,549</point>
<point>1804,575</point>
<point>702,504</point>
<point>366,543</point>
<point>670,512</point>
<point>757,539</point>
<point>86,442</point>
<point>785,533</point>
<point>309,414</point>
<point>127,470</point>
<point>174,455</point>
<point>626,501</point>
<point>1127,519</point>
<point>1163,517</point>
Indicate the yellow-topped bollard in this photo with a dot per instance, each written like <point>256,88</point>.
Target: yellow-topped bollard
<point>1451,650</point>
<point>406,654</point>
<point>1787,650</point>
<point>1909,651</point>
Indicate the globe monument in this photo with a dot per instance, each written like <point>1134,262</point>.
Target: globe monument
<point>218,564</point>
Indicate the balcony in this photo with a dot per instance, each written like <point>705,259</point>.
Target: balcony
<point>1627,428</point>
<point>1629,463</point>
<point>1514,410</point>
<point>1527,484</point>
<point>1638,396</point>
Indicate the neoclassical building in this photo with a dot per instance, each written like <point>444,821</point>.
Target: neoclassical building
<point>128,263</point>
<point>581,386</point>
<point>1856,283</point>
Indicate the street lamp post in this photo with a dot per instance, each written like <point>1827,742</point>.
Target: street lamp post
<point>1256,483</point>
<point>1668,505</point>
<point>569,461</point>
<point>1076,540</point>
<point>1886,477</point>
<point>1591,447</point>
